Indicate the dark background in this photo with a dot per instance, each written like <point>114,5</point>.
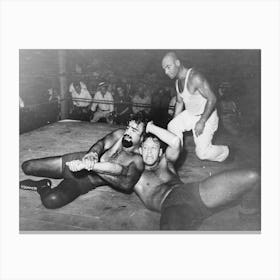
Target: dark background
<point>38,71</point>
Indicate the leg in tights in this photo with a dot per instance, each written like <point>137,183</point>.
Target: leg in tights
<point>73,185</point>
<point>59,196</point>
<point>223,188</point>
<point>179,217</point>
<point>50,167</point>
<point>215,191</point>
<point>68,190</point>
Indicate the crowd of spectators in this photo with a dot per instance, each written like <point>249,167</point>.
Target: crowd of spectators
<point>115,103</point>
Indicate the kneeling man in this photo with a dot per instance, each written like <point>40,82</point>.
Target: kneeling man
<point>114,160</point>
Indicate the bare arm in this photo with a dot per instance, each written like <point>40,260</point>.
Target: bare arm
<point>106,142</point>
<point>174,144</point>
<point>119,176</point>
<point>200,84</point>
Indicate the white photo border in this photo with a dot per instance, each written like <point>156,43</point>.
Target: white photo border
<point>155,24</point>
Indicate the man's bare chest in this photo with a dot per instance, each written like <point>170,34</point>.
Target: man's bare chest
<point>150,179</point>
<point>118,156</point>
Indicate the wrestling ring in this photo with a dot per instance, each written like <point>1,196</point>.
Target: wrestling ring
<point>107,210</point>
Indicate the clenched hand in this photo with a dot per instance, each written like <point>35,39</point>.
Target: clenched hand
<point>199,128</point>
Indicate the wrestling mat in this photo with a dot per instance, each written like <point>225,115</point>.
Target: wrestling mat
<point>107,210</point>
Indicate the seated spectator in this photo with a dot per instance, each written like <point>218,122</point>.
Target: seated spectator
<point>53,95</point>
<point>81,108</point>
<point>103,104</point>
<point>112,89</point>
<point>229,113</point>
<point>160,103</point>
<point>141,103</point>
<point>122,106</point>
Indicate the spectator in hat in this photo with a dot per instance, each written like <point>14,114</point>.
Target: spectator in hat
<point>112,89</point>
<point>103,104</point>
<point>81,101</point>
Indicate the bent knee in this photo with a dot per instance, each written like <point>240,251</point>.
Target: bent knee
<point>171,126</point>
<point>52,201</point>
<point>201,153</point>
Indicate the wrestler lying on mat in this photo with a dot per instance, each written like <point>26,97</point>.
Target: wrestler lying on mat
<point>114,160</point>
<point>182,206</point>
<point>185,206</point>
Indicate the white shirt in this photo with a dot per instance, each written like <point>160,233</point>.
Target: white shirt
<point>84,94</point>
<point>103,106</point>
<point>194,102</point>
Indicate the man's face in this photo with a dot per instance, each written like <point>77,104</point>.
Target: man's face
<point>170,66</point>
<point>120,91</point>
<point>103,89</point>
<point>140,91</point>
<point>78,88</point>
<point>151,151</point>
<point>132,135</point>
<point>221,91</point>
<point>110,88</point>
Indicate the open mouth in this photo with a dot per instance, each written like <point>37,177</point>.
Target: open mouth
<point>149,158</point>
<point>127,141</point>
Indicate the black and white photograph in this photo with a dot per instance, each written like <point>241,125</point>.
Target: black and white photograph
<point>140,140</point>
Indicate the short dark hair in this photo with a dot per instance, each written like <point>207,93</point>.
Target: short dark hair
<point>155,139</point>
<point>139,118</point>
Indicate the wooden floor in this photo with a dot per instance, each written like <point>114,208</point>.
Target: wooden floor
<point>107,210</point>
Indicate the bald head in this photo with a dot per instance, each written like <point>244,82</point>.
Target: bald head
<point>171,55</point>
<point>171,65</point>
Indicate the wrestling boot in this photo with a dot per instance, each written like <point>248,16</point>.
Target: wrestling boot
<point>32,185</point>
